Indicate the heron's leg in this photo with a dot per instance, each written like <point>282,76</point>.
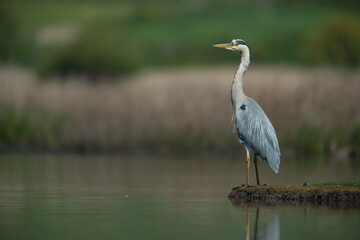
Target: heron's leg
<point>247,166</point>
<point>256,223</point>
<point>247,224</point>
<point>256,170</point>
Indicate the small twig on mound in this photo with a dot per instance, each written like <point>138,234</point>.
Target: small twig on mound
<point>333,196</point>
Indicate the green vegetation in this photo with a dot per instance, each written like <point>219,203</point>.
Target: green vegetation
<point>35,128</point>
<point>86,56</point>
<point>120,37</point>
<point>12,46</point>
<point>309,139</point>
<point>355,183</point>
<point>344,47</point>
<point>355,140</point>
<point>7,36</point>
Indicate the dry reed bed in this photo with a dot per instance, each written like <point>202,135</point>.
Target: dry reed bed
<point>155,106</point>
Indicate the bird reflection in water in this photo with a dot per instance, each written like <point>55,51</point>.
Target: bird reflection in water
<point>270,231</point>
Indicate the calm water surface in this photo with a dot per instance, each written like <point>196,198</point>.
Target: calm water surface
<point>159,197</point>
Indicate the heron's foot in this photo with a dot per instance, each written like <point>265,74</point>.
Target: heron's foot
<point>245,185</point>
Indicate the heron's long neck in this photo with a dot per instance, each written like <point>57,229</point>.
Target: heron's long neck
<point>237,92</point>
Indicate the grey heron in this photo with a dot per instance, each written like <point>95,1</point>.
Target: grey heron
<point>253,127</point>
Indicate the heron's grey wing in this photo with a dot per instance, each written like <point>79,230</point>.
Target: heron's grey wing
<point>257,133</point>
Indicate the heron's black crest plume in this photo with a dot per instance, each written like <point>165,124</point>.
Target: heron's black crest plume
<point>242,42</point>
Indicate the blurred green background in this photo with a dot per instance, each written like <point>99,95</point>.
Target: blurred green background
<point>43,43</point>
<point>107,37</point>
<point>137,86</point>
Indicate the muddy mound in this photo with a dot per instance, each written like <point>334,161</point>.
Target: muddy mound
<point>333,196</point>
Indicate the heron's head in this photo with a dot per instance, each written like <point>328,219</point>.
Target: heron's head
<point>235,45</point>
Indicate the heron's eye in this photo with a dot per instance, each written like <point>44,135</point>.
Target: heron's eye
<point>243,107</point>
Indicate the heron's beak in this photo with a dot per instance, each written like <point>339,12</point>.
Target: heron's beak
<point>223,45</point>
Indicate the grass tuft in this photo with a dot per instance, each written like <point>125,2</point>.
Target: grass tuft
<point>355,183</point>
